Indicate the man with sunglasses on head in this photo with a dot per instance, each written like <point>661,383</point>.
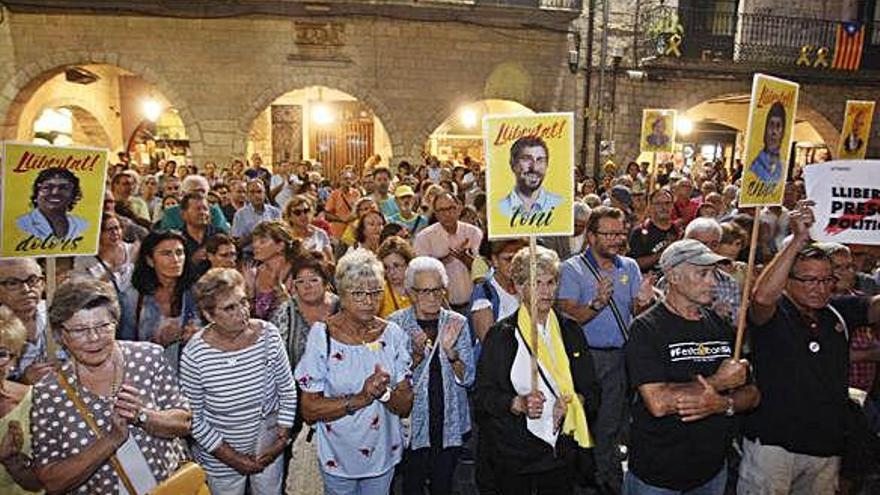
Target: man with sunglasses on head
<point>21,290</point>
<point>601,289</point>
<point>799,331</point>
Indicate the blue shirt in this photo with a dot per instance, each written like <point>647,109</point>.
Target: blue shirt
<point>545,202</point>
<point>389,207</point>
<point>577,283</point>
<point>171,218</point>
<point>247,218</point>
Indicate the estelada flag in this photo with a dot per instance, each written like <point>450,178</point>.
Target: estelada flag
<point>848,44</point>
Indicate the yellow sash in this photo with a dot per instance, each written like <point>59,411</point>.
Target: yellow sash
<point>575,422</point>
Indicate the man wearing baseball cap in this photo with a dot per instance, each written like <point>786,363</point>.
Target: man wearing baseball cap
<point>406,198</point>
<point>687,386</point>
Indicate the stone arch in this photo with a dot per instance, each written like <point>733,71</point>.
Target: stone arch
<point>16,91</point>
<point>90,124</point>
<point>291,82</point>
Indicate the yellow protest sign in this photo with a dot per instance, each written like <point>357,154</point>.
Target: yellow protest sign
<point>529,174</point>
<point>856,130</point>
<point>768,140</point>
<point>658,130</point>
<point>52,200</point>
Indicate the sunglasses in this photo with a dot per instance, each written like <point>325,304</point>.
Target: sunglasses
<point>299,212</point>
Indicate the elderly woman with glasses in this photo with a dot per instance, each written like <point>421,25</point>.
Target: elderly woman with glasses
<point>537,436</point>
<point>237,377</point>
<point>16,473</point>
<point>395,254</point>
<point>125,389</point>
<point>355,378</point>
<point>444,368</point>
<point>298,214</point>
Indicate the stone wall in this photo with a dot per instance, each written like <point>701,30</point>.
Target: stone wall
<point>221,74</point>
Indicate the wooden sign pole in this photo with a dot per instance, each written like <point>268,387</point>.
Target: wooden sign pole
<point>652,173</point>
<point>533,306</point>
<point>51,284</point>
<point>747,288</point>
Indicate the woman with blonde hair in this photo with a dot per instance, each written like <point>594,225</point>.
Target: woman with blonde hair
<point>16,475</point>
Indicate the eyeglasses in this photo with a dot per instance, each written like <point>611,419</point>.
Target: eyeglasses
<point>6,355</point>
<point>299,212</point>
<point>815,282</point>
<point>243,304</point>
<point>307,281</point>
<point>17,284</point>
<point>428,291</point>
<point>48,187</point>
<point>100,330</point>
<point>612,234</point>
<point>365,295</point>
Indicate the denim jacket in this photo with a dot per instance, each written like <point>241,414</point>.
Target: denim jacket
<point>456,415</point>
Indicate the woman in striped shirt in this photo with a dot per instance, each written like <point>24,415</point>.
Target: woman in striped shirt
<point>236,374</point>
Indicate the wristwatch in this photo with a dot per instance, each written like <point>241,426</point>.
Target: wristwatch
<point>729,411</point>
<point>141,418</point>
<point>386,396</point>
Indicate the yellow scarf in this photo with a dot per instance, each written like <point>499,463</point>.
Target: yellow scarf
<point>575,422</point>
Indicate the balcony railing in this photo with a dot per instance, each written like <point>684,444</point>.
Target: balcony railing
<point>761,40</point>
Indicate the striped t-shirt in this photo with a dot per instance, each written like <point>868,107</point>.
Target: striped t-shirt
<point>230,393</point>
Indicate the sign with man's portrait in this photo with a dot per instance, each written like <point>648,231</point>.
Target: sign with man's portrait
<point>856,130</point>
<point>658,130</point>
<point>529,174</point>
<point>768,140</point>
<point>52,200</point>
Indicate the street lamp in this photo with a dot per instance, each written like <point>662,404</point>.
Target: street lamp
<point>684,126</point>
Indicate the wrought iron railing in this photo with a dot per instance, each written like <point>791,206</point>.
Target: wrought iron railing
<point>758,39</point>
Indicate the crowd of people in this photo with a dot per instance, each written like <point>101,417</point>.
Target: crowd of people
<point>359,334</point>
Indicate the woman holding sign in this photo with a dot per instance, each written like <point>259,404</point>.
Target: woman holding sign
<point>539,434</point>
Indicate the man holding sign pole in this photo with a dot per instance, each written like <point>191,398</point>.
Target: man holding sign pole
<point>794,439</point>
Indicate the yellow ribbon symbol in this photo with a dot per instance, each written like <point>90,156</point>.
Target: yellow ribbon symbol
<point>674,43</point>
<point>804,57</point>
<point>822,57</point>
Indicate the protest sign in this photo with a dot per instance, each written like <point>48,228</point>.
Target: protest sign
<point>847,197</point>
<point>529,174</point>
<point>52,200</point>
<point>768,140</point>
<point>658,130</point>
<point>856,130</point>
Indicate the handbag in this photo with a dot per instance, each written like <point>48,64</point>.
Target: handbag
<point>189,478</point>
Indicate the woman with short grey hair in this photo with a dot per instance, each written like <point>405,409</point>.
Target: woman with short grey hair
<point>125,389</point>
<point>444,367</point>
<point>536,436</point>
<point>355,382</point>
<point>237,377</point>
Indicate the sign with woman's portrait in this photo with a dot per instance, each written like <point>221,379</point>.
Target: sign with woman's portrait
<point>658,130</point>
<point>529,174</point>
<point>768,140</point>
<point>52,200</point>
<point>856,130</point>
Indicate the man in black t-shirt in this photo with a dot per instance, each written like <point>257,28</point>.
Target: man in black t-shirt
<point>687,386</point>
<point>794,439</point>
<point>648,240</point>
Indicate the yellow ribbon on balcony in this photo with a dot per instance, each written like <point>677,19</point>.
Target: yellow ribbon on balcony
<point>804,57</point>
<point>674,44</point>
<point>822,57</point>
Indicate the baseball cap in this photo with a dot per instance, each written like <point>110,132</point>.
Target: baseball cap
<point>622,194</point>
<point>689,251</point>
<point>402,191</point>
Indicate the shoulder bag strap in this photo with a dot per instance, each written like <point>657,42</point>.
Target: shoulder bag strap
<point>90,420</point>
<point>391,292</point>
<point>614,309</point>
<point>842,321</point>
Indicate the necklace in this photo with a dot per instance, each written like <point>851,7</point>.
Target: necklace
<point>116,381</point>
